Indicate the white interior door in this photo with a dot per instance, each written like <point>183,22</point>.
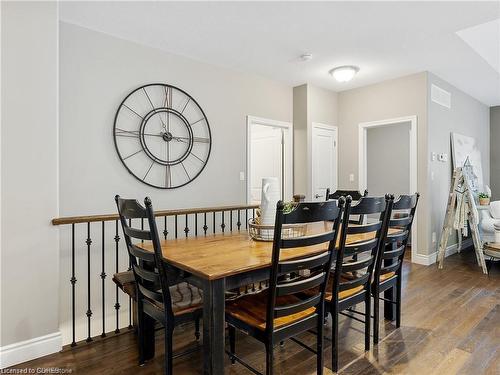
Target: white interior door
<point>267,153</point>
<point>324,161</point>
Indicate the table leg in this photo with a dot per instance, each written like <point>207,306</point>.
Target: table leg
<point>213,327</point>
<point>389,308</point>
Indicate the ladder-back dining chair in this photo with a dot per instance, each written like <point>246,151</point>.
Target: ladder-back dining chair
<point>354,194</point>
<point>388,269</point>
<point>159,299</point>
<point>281,312</point>
<point>351,279</point>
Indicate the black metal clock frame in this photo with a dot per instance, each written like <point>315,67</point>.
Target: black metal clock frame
<point>166,137</point>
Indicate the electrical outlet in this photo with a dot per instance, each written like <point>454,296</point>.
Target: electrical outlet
<point>351,177</point>
<point>443,157</point>
<point>433,237</point>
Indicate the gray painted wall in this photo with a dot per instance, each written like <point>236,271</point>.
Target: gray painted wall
<point>495,151</point>
<point>466,116</point>
<point>300,139</point>
<point>310,104</point>
<point>29,191</point>
<point>405,96</point>
<point>388,158</point>
<point>96,72</point>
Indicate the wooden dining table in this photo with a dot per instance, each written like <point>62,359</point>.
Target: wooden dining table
<point>227,261</point>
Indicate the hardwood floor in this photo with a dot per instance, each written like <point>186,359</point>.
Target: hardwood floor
<point>450,325</point>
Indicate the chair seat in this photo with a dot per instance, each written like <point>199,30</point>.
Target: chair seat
<point>185,297</point>
<point>252,309</point>
<point>126,282</point>
<point>342,295</point>
<point>387,276</point>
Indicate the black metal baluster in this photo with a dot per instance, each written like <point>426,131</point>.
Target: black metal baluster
<point>223,226</point>
<point>73,282</point>
<point>130,298</point>
<point>142,241</point>
<point>253,213</point>
<point>175,226</point>
<point>117,303</point>
<point>214,222</point>
<point>103,277</point>
<point>196,225</point>
<point>231,220</point>
<point>246,215</point>
<point>165,231</point>
<point>238,223</point>
<point>89,311</point>
<point>186,228</point>
<point>205,227</point>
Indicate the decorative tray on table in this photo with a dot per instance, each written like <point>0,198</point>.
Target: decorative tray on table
<point>266,232</point>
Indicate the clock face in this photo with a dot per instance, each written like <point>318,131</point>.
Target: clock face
<point>162,136</point>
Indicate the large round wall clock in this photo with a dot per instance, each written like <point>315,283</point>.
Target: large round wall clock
<point>162,136</point>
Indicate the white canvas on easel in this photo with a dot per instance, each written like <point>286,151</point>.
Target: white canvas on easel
<point>464,148</point>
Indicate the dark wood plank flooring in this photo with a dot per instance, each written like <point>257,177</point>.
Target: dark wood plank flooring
<point>451,325</point>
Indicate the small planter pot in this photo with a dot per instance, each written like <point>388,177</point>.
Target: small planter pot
<point>484,201</point>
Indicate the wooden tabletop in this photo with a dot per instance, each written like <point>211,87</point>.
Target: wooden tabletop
<point>216,256</point>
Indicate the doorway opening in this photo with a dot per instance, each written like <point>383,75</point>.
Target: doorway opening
<point>269,154</point>
<point>388,161</point>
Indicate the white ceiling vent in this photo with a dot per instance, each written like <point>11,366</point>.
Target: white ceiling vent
<point>440,96</point>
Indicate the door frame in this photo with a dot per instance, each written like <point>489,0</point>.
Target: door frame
<point>362,163</point>
<point>288,152</point>
<point>319,125</point>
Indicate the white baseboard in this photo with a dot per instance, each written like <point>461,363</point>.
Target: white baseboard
<point>23,351</point>
<point>427,260</point>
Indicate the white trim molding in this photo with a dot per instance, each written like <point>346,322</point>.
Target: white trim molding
<point>427,260</point>
<point>362,166</point>
<point>23,351</point>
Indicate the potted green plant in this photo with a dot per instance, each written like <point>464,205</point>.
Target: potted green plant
<point>484,199</point>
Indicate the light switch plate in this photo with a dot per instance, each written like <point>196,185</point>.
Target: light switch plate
<point>242,176</point>
<point>351,177</point>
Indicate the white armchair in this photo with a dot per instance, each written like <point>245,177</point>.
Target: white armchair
<point>489,220</point>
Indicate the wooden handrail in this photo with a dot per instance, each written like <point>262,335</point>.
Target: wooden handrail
<point>183,211</point>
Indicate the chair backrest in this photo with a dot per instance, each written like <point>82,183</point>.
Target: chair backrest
<point>308,273</point>
<point>403,213</point>
<point>355,194</point>
<point>355,261</point>
<point>148,267</point>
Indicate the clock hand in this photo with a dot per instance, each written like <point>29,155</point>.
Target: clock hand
<point>195,139</point>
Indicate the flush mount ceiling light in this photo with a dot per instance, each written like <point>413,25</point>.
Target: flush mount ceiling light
<point>344,73</point>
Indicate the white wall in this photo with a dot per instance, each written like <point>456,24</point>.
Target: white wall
<point>29,191</point>
<point>466,116</point>
<point>96,72</point>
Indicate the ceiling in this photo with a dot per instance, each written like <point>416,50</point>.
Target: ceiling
<point>385,39</point>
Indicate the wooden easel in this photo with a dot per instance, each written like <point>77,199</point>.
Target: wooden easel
<point>460,179</point>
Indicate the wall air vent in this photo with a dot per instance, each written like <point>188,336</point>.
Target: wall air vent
<point>440,96</point>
